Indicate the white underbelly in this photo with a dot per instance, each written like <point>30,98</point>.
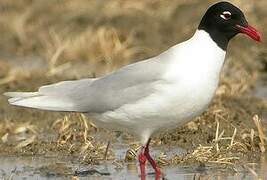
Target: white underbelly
<point>167,109</point>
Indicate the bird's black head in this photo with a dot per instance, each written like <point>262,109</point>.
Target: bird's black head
<point>223,21</point>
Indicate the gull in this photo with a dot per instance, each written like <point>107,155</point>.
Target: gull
<point>156,94</point>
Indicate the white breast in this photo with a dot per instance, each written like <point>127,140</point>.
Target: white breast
<point>194,75</point>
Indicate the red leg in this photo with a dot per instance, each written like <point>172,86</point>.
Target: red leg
<point>152,161</point>
<point>142,162</point>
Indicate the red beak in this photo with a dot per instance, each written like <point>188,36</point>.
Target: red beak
<point>251,32</point>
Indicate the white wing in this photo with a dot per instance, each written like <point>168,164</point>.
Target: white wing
<point>127,85</point>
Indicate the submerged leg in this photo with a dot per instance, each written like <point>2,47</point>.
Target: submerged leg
<point>152,161</point>
<point>142,162</point>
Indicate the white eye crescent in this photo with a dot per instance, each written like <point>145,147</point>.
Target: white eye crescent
<point>226,15</point>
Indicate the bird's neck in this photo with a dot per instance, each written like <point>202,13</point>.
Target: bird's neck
<point>205,53</point>
<point>203,43</point>
<point>197,59</point>
<point>221,39</point>
<point>213,36</point>
<point>201,60</point>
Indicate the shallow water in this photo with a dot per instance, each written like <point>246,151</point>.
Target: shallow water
<point>65,168</point>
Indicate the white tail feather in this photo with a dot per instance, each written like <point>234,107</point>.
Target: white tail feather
<point>42,102</point>
<point>35,100</point>
<point>61,96</point>
<point>21,94</point>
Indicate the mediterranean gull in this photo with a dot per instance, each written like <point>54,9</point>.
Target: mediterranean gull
<point>156,94</point>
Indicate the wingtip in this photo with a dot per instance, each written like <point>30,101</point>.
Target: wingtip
<point>11,101</point>
<point>12,94</point>
<point>7,94</point>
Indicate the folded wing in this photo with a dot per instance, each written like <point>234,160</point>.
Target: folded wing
<point>127,85</point>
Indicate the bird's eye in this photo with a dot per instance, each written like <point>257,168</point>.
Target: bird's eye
<point>226,15</point>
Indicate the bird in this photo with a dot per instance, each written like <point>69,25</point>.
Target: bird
<point>156,94</point>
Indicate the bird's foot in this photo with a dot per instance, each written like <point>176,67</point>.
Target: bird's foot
<point>153,163</point>
<point>143,157</point>
<point>157,173</point>
<point>142,162</point>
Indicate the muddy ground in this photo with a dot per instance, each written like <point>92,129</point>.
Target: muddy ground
<point>43,42</point>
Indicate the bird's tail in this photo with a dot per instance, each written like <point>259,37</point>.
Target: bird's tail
<point>54,97</point>
<point>39,101</point>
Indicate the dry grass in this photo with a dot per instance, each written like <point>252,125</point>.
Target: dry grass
<point>222,150</point>
<point>18,134</point>
<point>75,132</point>
<point>260,133</point>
